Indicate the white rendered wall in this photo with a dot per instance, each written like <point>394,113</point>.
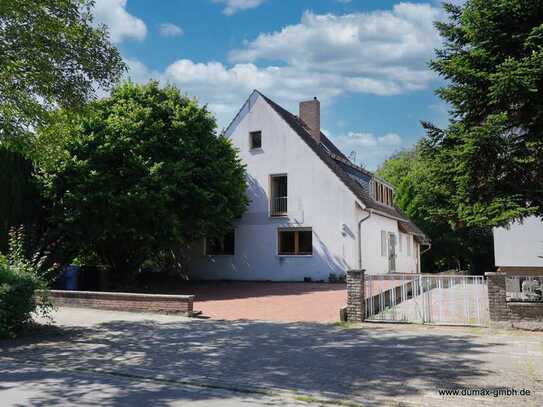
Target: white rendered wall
<point>372,261</point>
<point>520,245</point>
<point>317,198</point>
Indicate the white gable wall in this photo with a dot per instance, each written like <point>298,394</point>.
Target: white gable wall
<point>520,245</point>
<point>317,198</point>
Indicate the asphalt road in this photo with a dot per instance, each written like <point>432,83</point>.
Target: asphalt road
<point>117,359</point>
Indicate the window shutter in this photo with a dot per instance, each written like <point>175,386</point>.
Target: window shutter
<point>383,243</point>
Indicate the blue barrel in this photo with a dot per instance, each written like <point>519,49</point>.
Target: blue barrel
<point>70,277</point>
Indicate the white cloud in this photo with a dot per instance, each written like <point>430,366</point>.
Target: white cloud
<point>225,88</point>
<point>455,2</point>
<point>122,25</point>
<point>381,52</point>
<point>170,30</point>
<point>370,150</point>
<point>233,6</point>
<point>140,73</point>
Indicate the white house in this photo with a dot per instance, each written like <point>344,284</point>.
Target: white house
<point>312,212</point>
<point>518,249</point>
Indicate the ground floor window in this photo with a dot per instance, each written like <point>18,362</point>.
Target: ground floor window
<point>223,246</point>
<point>295,242</point>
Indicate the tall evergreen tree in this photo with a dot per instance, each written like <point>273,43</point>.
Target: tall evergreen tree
<point>491,154</point>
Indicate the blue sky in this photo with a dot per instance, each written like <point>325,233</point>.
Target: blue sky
<point>366,60</point>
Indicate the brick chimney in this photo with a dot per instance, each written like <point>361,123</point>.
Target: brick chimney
<point>310,113</point>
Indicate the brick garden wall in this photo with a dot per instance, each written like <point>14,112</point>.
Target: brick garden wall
<point>504,314</point>
<point>168,304</point>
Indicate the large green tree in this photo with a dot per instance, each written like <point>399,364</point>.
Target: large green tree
<point>51,55</point>
<point>427,202</point>
<point>491,154</point>
<point>20,202</point>
<point>140,172</point>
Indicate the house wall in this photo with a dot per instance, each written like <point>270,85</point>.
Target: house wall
<point>372,260</point>
<point>520,245</point>
<point>316,199</point>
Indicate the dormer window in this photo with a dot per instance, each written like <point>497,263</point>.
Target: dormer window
<point>255,140</point>
<point>382,193</point>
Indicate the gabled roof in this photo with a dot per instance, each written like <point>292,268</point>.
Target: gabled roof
<point>345,170</point>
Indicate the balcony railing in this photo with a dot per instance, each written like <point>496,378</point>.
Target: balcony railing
<point>279,206</point>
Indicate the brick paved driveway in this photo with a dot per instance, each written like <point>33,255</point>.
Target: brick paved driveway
<point>284,302</point>
<point>116,359</point>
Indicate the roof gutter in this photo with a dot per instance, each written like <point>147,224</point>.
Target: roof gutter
<point>386,215</point>
<point>370,212</point>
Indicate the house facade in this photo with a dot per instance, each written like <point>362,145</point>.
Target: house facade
<point>518,249</point>
<point>312,212</point>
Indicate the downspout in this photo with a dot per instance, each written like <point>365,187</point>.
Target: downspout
<point>370,211</point>
<point>428,248</point>
<point>429,244</point>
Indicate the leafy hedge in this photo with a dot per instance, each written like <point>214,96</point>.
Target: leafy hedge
<point>17,300</point>
<point>23,291</point>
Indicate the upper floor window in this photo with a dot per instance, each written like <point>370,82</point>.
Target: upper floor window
<point>382,193</point>
<point>222,246</point>
<point>278,195</point>
<point>255,140</point>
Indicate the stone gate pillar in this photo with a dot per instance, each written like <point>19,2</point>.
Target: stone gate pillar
<point>355,295</point>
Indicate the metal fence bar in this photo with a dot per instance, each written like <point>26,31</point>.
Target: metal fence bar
<point>477,303</point>
<point>432,299</point>
<point>440,288</point>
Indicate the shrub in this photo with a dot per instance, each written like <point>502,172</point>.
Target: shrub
<point>23,291</point>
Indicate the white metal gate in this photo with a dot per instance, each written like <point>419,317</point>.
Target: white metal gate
<point>427,299</point>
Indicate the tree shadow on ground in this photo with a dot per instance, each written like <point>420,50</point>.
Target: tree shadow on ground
<point>321,360</point>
